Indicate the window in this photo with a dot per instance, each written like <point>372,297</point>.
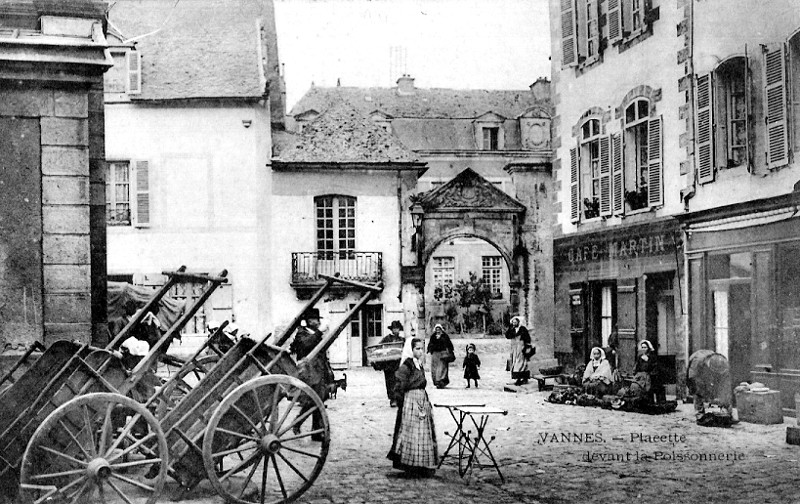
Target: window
<point>118,193</point>
<point>592,34</point>
<point>491,270</point>
<point>636,155</point>
<point>125,77</point>
<point>367,323</point>
<point>444,273</point>
<point>590,167</point>
<point>491,138</point>
<point>336,226</point>
<point>606,313</point>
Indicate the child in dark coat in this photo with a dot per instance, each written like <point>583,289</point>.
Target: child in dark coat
<point>471,365</point>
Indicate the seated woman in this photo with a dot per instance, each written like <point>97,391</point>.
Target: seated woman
<point>646,379</point>
<point>597,376</point>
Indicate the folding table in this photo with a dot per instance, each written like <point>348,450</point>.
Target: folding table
<point>470,449</point>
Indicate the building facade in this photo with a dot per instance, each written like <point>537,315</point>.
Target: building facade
<point>188,127</point>
<point>52,235</point>
<point>618,170</point>
<point>478,210</point>
<point>741,230</point>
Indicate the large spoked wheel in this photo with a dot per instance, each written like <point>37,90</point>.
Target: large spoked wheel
<point>97,448</point>
<point>260,445</point>
<point>184,381</point>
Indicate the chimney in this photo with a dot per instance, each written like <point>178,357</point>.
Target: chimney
<point>405,85</point>
<point>541,88</point>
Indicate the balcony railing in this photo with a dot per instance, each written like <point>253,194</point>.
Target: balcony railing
<point>359,266</point>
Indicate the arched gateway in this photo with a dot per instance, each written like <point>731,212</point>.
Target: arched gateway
<point>469,206</point>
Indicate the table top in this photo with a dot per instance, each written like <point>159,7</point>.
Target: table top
<point>482,410</point>
<point>461,404</point>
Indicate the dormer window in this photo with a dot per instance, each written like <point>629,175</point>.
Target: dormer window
<point>490,138</point>
<point>125,77</point>
<point>489,134</point>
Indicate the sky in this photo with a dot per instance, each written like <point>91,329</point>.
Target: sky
<point>460,44</point>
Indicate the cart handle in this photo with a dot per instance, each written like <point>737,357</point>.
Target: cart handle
<point>199,277</point>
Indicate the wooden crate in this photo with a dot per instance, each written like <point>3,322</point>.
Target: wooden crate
<point>759,407</point>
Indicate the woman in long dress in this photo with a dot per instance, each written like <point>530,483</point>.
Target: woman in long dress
<point>414,447</point>
<point>440,347</point>
<point>520,370</point>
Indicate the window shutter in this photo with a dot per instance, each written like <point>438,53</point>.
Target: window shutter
<point>705,129</point>
<point>614,17</point>
<point>142,213</point>
<point>617,175</point>
<point>574,185</point>
<point>605,176</point>
<point>748,101</point>
<point>134,72</point>
<point>775,103</point>
<point>569,47</point>
<point>655,166</point>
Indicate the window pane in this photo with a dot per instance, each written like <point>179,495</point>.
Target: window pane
<point>643,109</point>
<point>630,113</point>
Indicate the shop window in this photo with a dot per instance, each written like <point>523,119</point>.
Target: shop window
<point>336,226</point>
<point>491,273</point>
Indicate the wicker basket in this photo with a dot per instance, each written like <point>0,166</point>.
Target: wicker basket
<point>384,352</point>
<point>551,371</point>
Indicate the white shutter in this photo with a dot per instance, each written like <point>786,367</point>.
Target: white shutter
<point>617,175</point>
<point>614,18</point>
<point>655,165</point>
<point>574,185</point>
<point>775,104</point>
<point>134,72</point>
<point>141,215</point>
<point>705,128</point>
<point>569,47</point>
<point>605,176</point>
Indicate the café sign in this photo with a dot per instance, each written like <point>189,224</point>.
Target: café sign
<point>621,248</point>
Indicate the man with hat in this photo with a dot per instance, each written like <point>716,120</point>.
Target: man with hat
<point>317,373</point>
<point>389,368</point>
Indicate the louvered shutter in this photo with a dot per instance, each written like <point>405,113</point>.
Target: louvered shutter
<point>775,103</point>
<point>134,72</point>
<point>569,47</point>
<point>142,213</point>
<point>655,165</point>
<point>617,175</point>
<point>605,176</point>
<point>705,129</point>
<point>574,186</point>
<point>614,18</point>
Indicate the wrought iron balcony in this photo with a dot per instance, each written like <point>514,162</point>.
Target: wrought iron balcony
<point>360,266</point>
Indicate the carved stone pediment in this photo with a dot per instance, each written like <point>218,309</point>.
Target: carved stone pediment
<point>468,191</point>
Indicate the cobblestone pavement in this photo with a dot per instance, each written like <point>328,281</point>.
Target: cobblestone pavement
<point>550,453</point>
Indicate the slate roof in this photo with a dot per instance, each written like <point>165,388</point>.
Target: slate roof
<point>202,49</point>
<point>432,103</point>
<point>342,134</point>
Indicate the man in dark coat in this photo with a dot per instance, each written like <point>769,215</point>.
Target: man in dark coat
<point>317,373</point>
<point>389,368</point>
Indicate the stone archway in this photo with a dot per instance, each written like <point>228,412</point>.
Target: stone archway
<point>471,206</point>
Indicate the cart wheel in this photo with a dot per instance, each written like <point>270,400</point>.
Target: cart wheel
<point>186,379</point>
<point>256,432</point>
<point>100,447</point>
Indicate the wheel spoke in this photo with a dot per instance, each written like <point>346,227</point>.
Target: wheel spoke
<point>49,495</point>
<point>64,456</point>
<point>264,481</point>
<point>128,428</point>
<point>58,474</point>
<point>132,482</point>
<point>106,427</point>
<point>302,435</point>
<point>134,446</point>
<point>250,476</point>
<point>278,475</point>
<point>137,463</point>
<point>238,434</point>
<point>301,452</point>
<point>262,417</point>
<point>241,464</point>
<point>243,415</point>
<point>87,420</point>
<point>299,420</point>
<point>238,449</point>
<point>119,492</point>
<point>293,467</point>
<point>74,438</point>
<point>74,497</point>
<point>286,413</point>
<point>102,492</point>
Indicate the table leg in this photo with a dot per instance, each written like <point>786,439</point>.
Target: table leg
<point>480,438</point>
<point>455,438</point>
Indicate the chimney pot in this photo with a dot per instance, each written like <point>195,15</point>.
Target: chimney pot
<point>405,85</point>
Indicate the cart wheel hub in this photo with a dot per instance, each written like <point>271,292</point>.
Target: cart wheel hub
<point>99,468</point>
<point>270,444</point>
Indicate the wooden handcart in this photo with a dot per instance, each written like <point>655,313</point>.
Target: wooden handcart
<point>242,427</point>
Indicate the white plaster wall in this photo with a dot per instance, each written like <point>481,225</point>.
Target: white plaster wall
<point>717,38</point>
<point>651,62</point>
<point>208,185</point>
<point>377,230</point>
